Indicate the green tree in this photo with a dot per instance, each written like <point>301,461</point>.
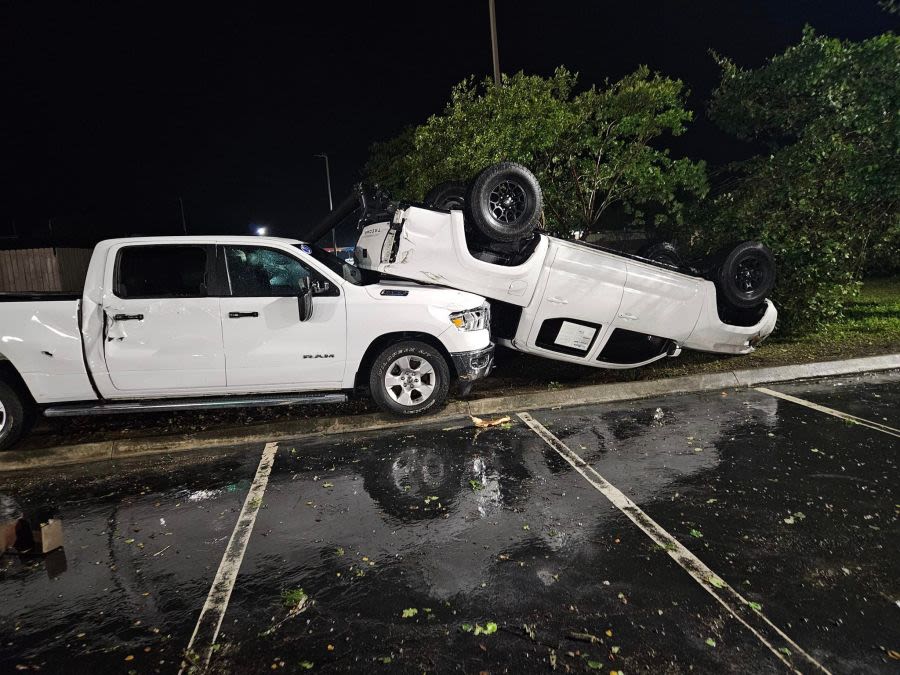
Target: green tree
<point>828,190</point>
<point>591,151</point>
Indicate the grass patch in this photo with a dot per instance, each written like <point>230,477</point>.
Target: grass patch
<point>293,597</point>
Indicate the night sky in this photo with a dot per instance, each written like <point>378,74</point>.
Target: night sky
<point>114,112</point>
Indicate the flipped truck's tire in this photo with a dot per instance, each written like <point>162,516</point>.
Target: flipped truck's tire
<point>12,416</point>
<point>505,202</point>
<point>662,252</point>
<point>409,378</point>
<point>449,195</point>
<point>746,275</point>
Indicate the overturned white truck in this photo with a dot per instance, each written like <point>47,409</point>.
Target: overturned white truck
<point>568,300</point>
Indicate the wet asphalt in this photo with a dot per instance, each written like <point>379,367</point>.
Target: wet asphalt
<point>465,550</point>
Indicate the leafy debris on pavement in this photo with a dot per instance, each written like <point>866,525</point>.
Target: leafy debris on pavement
<point>485,424</point>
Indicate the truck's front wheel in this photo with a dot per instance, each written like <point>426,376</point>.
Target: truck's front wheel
<point>12,416</point>
<point>409,378</point>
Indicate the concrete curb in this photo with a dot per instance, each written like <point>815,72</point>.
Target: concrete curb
<point>456,410</point>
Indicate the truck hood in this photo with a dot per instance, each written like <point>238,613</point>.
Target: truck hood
<point>406,292</point>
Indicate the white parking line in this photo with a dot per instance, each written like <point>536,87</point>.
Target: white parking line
<point>831,411</point>
<point>200,648</point>
<point>782,646</point>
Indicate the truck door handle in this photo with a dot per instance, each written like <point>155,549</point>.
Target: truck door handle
<point>242,315</point>
<point>557,301</point>
<point>128,317</point>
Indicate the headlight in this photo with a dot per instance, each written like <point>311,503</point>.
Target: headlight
<point>472,319</point>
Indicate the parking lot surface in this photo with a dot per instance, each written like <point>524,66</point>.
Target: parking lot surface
<point>486,550</point>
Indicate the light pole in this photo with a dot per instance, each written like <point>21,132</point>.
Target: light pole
<point>494,49</point>
<point>330,201</point>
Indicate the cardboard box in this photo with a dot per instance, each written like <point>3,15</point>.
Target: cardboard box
<point>23,537</point>
<point>49,536</point>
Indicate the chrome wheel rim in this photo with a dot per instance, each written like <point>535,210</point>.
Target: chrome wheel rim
<point>410,380</point>
<point>2,417</point>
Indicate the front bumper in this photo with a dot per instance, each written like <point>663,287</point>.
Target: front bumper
<point>474,365</point>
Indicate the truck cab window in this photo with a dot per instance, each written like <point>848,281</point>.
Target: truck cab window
<point>264,272</point>
<point>161,272</point>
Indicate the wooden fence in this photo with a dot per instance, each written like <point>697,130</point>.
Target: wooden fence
<point>43,269</point>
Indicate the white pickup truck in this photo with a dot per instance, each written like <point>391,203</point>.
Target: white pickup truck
<point>568,300</point>
<point>174,323</point>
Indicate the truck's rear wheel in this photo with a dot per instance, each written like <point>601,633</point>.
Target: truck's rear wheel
<point>449,195</point>
<point>505,202</point>
<point>662,252</point>
<point>12,416</point>
<point>409,378</point>
<point>747,275</point>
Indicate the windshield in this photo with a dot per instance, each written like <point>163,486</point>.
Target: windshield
<point>345,270</point>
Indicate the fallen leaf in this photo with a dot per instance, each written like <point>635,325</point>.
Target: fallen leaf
<point>755,605</point>
<point>484,424</point>
<point>409,612</point>
<point>710,642</point>
<point>697,534</point>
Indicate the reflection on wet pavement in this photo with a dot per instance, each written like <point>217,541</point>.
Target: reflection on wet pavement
<point>463,550</point>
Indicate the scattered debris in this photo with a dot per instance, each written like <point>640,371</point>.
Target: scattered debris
<point>587,637</point>
<point>485,424</point>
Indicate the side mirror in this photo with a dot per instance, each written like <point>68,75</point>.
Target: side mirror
<point>305,300</point>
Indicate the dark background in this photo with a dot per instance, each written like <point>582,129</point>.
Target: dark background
<point>114,111</point>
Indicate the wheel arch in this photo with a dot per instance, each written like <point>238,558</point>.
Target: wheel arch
<point>11,376</point>
<point>361,379</point>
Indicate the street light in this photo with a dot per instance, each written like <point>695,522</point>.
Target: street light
<point>262,231</point>
<point>330,201</point>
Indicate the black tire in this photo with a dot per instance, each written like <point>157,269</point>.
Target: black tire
<point>427,379</point>
<point>13,417</point>
<point>747,275</point>
<point>505,202</point>
<point>449,196</point>
<point>662,252</point>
